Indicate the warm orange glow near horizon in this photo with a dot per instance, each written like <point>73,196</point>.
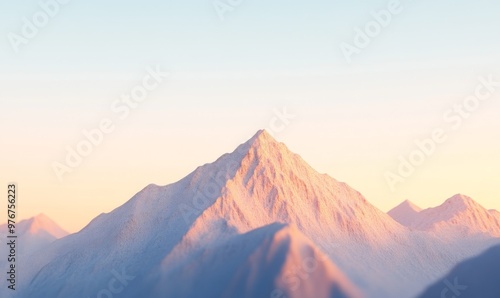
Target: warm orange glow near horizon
<point>356,140</point>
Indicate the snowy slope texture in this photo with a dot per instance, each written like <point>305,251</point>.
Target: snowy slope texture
<point>272,261</point>
<point>459,214</point>
<point>495,213</point>
<point>477,277</point>
<point>405,213</point>
<point>163,230</point>
<point>34,234</point>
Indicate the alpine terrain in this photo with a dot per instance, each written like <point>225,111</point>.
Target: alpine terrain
<point>257,222</point>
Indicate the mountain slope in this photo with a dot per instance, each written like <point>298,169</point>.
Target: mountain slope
<point>459,214</point>
<point>35,233</point>
<point>272,261</point>
<point>282,187</point>
<point>259,184</point>
<point>476,277</point>
<point>404,213</point>
<point>495,213</point>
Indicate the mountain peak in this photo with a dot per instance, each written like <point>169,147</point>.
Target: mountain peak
<point>262,149</point>
<point>459,213</point>
<point>41,218</point>
<point>461,201</point>
<point>262,139</point>
<point>405,212</point>
<point>213,218</point>
<point>261,142</point>
<point>411,205</point>
<point>262,133</point>
<point>41,223</point>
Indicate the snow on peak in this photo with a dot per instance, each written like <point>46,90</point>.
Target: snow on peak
<point>35,234</point>
<point>269,183</point>
<point>262,136</point>
<point>407,205</point>
<point>41,224</point>
<point>412,206</point>
<point>264,141</point>
<point>405,212</point>
<point>459,213</point>
<point>461,201</point>
<point>38,226</point>
<point>180,228</point>
<point>263,147</point>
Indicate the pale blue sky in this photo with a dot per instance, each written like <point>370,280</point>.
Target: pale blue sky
<point>119,36</point>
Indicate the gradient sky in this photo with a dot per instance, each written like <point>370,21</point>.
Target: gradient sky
<point>353,120</point>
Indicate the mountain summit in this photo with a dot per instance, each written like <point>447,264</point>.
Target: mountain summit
<point>39,228</point>
<point>458,214</point>
<point>405,212</point>
<point>33,234</point>
<point>41,224</point>
<point>244,207</point>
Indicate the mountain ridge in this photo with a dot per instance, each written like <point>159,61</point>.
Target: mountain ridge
<point>458,214</point>
<point>471,278</point>
<point>405,212</point>
<point>295,261</point>
<point>261,183</point>
<point>39,225</point>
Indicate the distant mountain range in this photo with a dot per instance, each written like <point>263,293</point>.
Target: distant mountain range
<point>259,222</point>
<point>459,214</point>
<point>34,233</point>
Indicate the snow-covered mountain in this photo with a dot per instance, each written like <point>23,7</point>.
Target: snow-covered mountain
<point>495,213</point>
<point>473,278</point>
<point>459,214</point>
<point>272,261</point>
<point>405,213</point>
<point>35,233</point>
<point>166,235</point>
